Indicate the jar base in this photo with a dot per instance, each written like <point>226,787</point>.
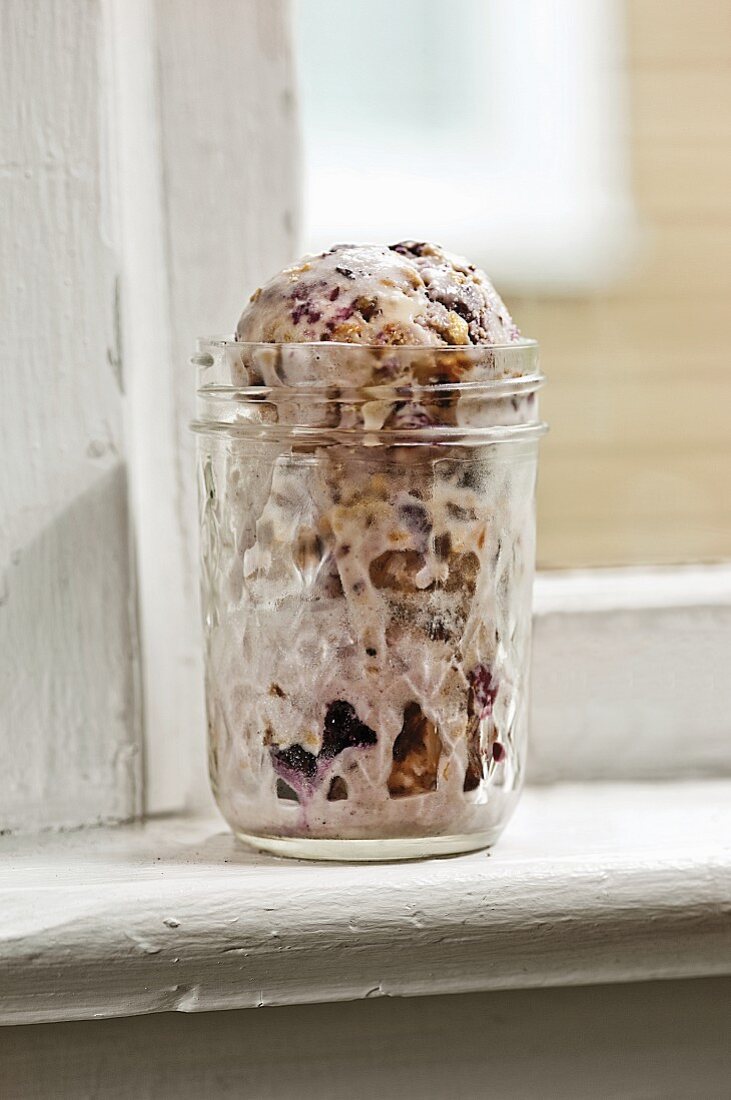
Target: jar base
<point>369,851</point>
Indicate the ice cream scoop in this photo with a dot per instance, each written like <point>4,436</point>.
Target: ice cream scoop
<point>412,293</point>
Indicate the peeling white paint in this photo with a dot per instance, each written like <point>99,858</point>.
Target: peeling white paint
<point>69,731</point>
<point>591,883</point>
<point>147,180</point>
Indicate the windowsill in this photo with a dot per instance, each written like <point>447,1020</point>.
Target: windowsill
<point>631,588</point>
<point>630,675</point>
<point>602,882</point>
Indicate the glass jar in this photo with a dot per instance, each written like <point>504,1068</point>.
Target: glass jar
<point>367,518</point>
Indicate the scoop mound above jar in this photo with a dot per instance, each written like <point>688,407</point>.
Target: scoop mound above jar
<point>409,293</point>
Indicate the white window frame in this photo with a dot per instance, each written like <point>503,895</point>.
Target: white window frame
<point>529,219</point>
<point>630,675</point>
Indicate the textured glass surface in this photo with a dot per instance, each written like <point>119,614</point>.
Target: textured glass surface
<point>367,613</point>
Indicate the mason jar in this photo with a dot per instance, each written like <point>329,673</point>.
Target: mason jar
<point>367,556</point>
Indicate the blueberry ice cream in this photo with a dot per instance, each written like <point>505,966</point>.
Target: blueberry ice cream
<point>406,294</point>
<point>367,507</point>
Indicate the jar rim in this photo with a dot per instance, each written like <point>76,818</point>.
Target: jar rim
<point>227,364</point>
<point>394,392</point>
<point>229,340</point>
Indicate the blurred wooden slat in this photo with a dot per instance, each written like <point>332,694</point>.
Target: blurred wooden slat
<point>593,413</point>
<point>633,333</point>
<point>687,180</point>
<point>693,101</point>
<point>620,508</point>
<point>677,31</point>
<point>654,332</point>
<point>681,261</point>
<point>637,467</point>
<point>595,546</point>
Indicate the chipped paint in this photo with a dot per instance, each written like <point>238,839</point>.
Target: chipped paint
<point>593,883</point>
<point>69,738</point>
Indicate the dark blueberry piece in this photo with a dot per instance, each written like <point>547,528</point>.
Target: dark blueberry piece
<point>344,729</point>
<point>345,271</point>
<point>286,792</point>
<point>409,248</point>
<point>498,752</point>
<point>338,791</point>
<point>462,310</point>
<point>367,307</point>
<point>371,651</point>
<point>484,689</point>
<point>295,759</point>
<point>334,293</point>
<point>471,477</point>
<point>415,516</point>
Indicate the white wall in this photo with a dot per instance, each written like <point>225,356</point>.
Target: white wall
<point>148,175</point>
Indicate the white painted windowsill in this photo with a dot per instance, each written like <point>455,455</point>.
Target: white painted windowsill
<point>601,882</point>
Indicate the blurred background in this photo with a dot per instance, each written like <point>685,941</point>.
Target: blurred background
<point>579,150</point>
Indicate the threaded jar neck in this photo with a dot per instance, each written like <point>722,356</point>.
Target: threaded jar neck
<point>363,393</point>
